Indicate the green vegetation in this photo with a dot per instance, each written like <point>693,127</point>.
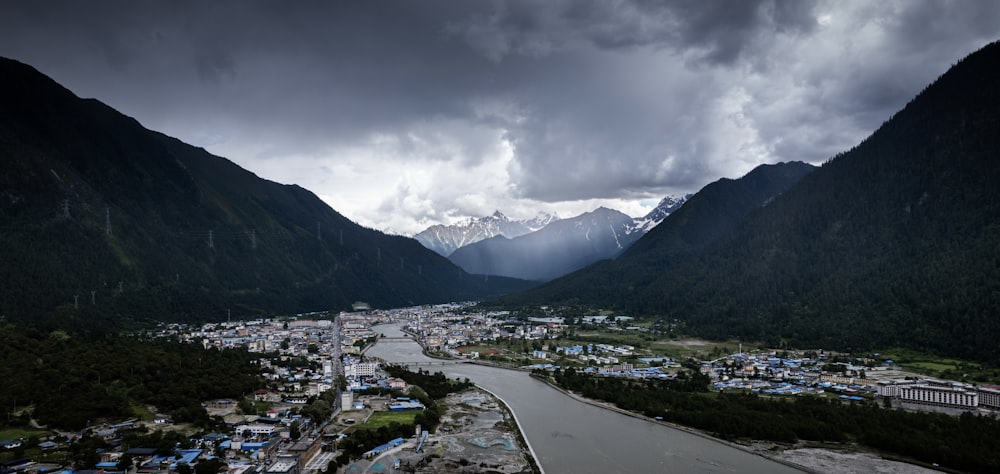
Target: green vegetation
<point>18,433</point>
<point>943,367</point>
<point>385,418</point>
<point>894,243</point>
<point>111,223</point>
<point>385,426</point>
<point>966,442</point>
<point>70,382</point>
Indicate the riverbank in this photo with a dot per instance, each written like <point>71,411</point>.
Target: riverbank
<point>811,460</point>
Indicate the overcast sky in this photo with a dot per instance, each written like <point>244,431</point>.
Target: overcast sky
<point>406,114</point>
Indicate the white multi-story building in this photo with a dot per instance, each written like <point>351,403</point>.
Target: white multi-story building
<point>951,395</point>
<point>361,369</point>
<point>257,429</point>
<point>989,397</point>
<point>890,389</point>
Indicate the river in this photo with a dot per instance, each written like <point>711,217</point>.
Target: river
<point>575,437</point>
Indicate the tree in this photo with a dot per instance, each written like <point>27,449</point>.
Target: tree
<point>125,463</point>
<point>209,466</point>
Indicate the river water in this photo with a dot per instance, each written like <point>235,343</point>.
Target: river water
<point>569,436</point>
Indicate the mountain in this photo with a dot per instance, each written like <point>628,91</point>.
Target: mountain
<point>104,221</point>
<point>562,246</point>
<point>703,218</point>
<point>445,239</point>
<point>495,245</point>
<point>665,207</point>
<point>895,242</point>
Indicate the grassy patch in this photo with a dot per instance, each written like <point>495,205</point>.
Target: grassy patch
<point>18,433</point>
<point>942,367</point>
<point>384,418</point>
<point>142,412</point>
<point>697,348</point>
<point>482,350</point>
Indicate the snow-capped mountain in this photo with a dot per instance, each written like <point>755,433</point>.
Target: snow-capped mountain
<point>562,246</point>
<point>666,206</point>
<point>445,239</point>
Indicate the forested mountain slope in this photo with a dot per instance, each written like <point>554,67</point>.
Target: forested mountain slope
<point>705,217</point>
<point>895,242</point>
<point>103,220</point>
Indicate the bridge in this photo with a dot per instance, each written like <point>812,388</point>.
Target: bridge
<point>397,339</point>
<point>424,363</point>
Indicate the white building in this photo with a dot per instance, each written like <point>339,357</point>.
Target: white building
<point>362,369</point>
<point>989,397</point>
<point>951,395</point>
<point>257,429</point>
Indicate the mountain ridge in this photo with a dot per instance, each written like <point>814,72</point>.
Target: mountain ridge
<point>445,239</point>
<point>562,246</point>
<point>895,242</point>
<point>107,221</point>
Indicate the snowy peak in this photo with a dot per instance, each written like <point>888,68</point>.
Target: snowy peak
<point>445,239</point>
<point>624,230</point>
<point>666,206</point>
<point>561,246</point>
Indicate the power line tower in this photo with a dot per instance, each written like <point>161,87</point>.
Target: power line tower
<point>65,208</point>
<point>319,236</point>
<point>107,220</point>
<point>211,239</point>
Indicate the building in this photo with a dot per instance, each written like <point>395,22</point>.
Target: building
<point>284,464</point>
<point>361,369</point>
<point>347,400</point>
<point>305,450</point>
<point>989,396</point>
<point>940,394</point>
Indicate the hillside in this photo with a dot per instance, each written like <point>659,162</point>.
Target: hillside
<point>104,221</point>
<point>704,218</point>
<point>445,239</point>
<point>559,248</point>
<point>562,245</point>
<point>895,242</point>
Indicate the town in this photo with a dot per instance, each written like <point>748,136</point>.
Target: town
<point>320,382</point>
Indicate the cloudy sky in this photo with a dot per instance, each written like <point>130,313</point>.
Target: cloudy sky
<point>405,114</point>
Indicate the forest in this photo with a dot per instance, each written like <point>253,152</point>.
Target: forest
<point>893,243</point>
<point>68,382</point>
<point>967,442</point>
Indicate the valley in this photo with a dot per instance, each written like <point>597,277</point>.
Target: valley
<point>828,302</point>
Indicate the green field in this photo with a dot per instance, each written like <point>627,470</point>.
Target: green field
<point>384,418</point>
<point>18,433</point>
<point>942,367</point>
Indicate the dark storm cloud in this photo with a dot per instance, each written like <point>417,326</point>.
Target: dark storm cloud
<point>714,31</point>
<point>405,114</point>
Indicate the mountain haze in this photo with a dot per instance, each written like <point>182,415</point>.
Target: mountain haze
<point>104,220</point>
<point>445,239</point>
<point>563,245</point>
<point>893,243</point>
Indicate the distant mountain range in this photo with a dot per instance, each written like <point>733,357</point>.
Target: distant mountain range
<point>104,221</point>
<point>562,246</point>
<point>895,242</point>
<point>445,239</point>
